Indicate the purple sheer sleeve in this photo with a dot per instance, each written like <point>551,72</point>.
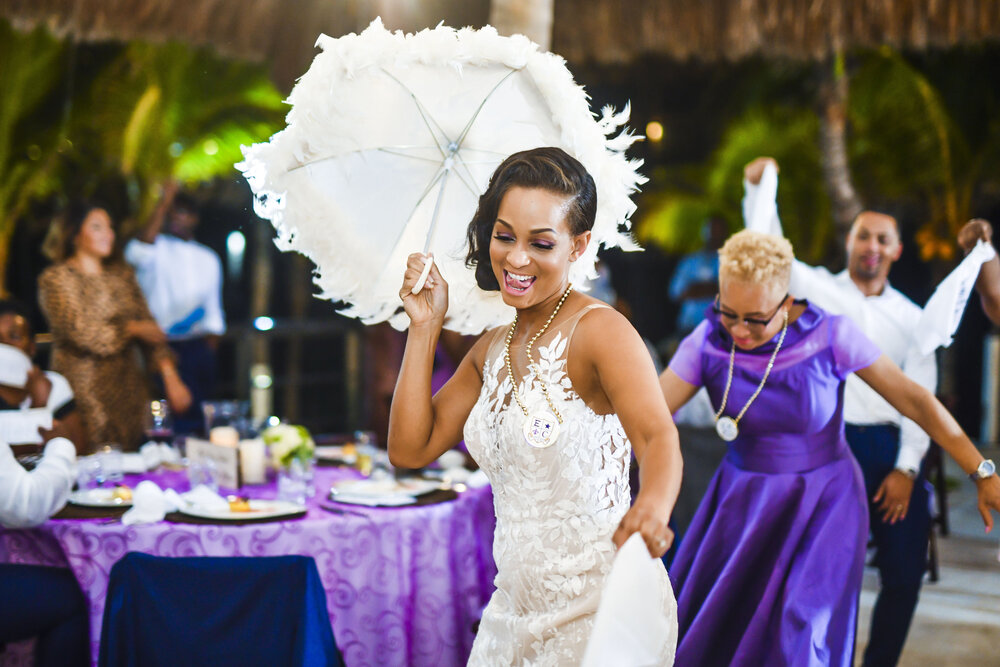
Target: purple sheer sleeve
<point>852,349</point>
<point>686,362</point>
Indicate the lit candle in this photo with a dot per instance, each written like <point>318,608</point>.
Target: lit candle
<point>252,461</point>
<point>227,436</point>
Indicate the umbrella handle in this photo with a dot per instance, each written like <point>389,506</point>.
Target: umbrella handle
<point>428,263</point>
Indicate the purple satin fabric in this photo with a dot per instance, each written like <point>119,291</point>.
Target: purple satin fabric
<point>404,586</point>
<point>770,569</point>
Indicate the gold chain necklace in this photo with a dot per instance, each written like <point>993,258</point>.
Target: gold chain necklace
<point>540,428</point>
<point>727,427</point>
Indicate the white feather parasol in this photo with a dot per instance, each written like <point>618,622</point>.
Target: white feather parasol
<point>392,138</point>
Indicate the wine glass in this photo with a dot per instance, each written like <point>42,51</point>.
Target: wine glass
<point>159,422</point>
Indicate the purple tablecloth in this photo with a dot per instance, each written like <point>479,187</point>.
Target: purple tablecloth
<point>404,586</point>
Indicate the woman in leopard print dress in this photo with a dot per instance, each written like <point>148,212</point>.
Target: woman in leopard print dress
<point>100,321</point>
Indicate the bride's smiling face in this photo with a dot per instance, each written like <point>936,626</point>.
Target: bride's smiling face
<point>532,246</point>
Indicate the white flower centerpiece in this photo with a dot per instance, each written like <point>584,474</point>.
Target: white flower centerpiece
<point>292,450</point>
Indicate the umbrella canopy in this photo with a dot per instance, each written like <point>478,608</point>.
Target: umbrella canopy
<point>390,142</point>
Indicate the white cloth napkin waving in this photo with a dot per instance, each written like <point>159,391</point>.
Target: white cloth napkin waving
<point>631,628</point>
<point>944,309</point>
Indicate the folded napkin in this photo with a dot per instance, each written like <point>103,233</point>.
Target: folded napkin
<point>477,479</point>
<point>152,454</point>
<point>456,475</point>
<point>204,498</point>
<point>636,622</point>
<point>150,503</point>
<point>451,459</point>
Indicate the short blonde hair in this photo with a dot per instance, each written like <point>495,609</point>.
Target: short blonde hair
<point>753,257</point>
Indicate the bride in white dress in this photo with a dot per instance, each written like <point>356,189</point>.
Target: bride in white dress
<point>556,442</point>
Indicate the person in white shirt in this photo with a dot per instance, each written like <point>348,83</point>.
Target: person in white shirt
<point>888,447</point>
<point>36,601</point>
<point>182,282</point>
<point>44,389</point>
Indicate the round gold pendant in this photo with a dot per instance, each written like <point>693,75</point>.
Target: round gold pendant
<point>727,429</point>
<point>541,429</point>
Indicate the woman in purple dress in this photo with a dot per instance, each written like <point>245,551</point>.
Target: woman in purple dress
<point>770,570</point>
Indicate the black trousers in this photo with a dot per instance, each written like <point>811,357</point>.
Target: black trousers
<point>900,548</point>
<point>196,365</point>
<point>45,602</point>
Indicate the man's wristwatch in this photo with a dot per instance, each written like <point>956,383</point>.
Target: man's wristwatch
<point>986,469</point>
<point>908,471</point>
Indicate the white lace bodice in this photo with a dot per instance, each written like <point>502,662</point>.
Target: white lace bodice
<point>556,508</point>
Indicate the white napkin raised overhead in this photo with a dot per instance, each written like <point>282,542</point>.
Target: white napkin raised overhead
<point>636,622</point>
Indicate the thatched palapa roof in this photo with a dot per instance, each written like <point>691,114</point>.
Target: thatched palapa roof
<point>615,31</point>
<point>283,32</point>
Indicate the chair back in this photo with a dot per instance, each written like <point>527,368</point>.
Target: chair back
<point>216,612</point>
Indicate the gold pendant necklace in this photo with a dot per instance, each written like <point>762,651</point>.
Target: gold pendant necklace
<point>541,427</point>
<point>727,427</point>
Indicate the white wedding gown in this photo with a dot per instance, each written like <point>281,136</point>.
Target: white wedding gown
<point>556,508</point>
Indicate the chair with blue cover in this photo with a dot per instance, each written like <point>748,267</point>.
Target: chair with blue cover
<point>216,612</point>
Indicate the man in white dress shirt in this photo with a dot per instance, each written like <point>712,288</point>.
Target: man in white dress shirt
<point>889,448</point>
<point>36,601</point>
<point>182,281</point>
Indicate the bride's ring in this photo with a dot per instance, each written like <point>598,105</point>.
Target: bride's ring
<point>661,543</point>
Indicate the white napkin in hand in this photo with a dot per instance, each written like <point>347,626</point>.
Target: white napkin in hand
<point>631,628</point>
<point>150,504</point>
<point>943,311</point>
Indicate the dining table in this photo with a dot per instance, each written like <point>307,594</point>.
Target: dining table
<point>404,585</point>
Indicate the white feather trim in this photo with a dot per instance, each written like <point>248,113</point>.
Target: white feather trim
<point>336,111</point>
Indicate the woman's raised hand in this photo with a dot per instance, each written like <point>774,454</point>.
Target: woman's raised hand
<point>431,302</point>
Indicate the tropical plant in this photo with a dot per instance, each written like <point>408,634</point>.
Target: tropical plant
<point>674,218</point>
<point>30,70</point>
<point>906,147</point>
<point>172,112</point>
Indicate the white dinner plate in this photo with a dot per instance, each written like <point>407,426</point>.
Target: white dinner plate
<point>259,509</point>
<point>336,453</point>
<point>386,492</point>
<point>97,498</point>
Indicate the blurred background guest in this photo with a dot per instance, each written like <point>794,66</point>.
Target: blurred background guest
<point>696,279</point>
<point>182,281</point>
<point>35,601</point>
<point>44,389</point>
<point>98,315</point>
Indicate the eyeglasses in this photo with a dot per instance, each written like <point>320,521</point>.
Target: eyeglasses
<point>755,324</point>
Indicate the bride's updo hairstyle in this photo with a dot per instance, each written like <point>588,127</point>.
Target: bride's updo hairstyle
<point>753,257</point>
<point>550,169</point>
